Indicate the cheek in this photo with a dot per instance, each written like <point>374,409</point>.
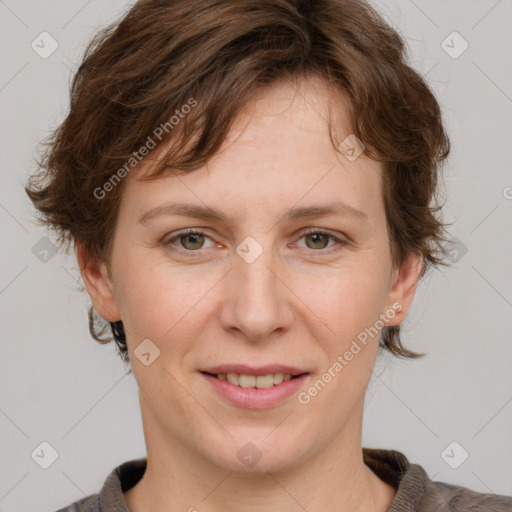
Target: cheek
<point>347,301</point>
<point>350,308</point>
<point>159,300</point>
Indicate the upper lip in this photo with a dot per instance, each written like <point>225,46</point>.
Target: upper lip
<point>249,370</point>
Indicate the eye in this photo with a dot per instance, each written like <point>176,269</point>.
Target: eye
<point>193,239</point>
<point>190,239</point>
<point>318,240</point>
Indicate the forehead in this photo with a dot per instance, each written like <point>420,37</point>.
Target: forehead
<point>296,111</point>
<point>278,148</point>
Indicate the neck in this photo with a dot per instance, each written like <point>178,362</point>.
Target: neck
<point>178,478</point>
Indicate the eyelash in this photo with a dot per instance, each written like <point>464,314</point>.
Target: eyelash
<point>309,231</point>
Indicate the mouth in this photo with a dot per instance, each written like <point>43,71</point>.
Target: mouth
<point>245,380</point>
<point>260,389</point>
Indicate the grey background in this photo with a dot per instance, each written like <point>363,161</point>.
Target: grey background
<point>59,386</point>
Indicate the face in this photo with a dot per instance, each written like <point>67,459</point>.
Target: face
<point>269,281</point>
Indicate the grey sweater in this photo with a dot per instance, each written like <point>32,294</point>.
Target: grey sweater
<point>416,492</point>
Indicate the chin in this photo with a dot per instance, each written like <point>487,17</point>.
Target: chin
<point>256,454</point>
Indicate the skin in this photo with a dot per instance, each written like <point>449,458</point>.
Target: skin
<point>301,302</point>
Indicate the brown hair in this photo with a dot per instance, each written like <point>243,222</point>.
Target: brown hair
<point>140,72</point>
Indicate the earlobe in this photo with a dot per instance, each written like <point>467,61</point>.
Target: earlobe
<point>99,286</point>
<point>403,289</point>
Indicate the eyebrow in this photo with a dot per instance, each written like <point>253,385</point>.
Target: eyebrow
<point>296,213</point>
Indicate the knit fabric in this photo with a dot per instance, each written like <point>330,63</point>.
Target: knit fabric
<point>416,492</point>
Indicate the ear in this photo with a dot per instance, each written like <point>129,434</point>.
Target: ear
<point>403,288</point>
<point>99,286</point>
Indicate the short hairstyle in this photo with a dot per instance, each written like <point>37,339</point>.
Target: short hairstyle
<point>181,71</point>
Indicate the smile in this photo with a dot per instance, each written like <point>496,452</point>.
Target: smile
<point>255,392</point>
<point>254,381</point>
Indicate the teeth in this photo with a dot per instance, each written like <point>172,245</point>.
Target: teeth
<point>233,378</point>
<point>278,378</point>
<point>251,381</point>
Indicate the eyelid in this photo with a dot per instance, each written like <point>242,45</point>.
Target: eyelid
<point>311,231</point>
<point>168,241</point>
<point>340,240</point>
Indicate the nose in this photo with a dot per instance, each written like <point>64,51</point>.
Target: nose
<point>257,303</point>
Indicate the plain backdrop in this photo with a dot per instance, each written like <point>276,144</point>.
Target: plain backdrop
<point>58,386</point>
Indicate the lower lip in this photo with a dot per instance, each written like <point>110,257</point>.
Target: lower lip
<point>254,398</point>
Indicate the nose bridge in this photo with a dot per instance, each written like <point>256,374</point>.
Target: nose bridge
<point>257,304</point>
<point>254,265</point>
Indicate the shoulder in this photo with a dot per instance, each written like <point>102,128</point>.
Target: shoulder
<point>455,498</point>
<point>415,491</point>
<point>111,497</point>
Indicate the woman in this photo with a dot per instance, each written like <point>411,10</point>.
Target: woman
<point>250,188</point>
